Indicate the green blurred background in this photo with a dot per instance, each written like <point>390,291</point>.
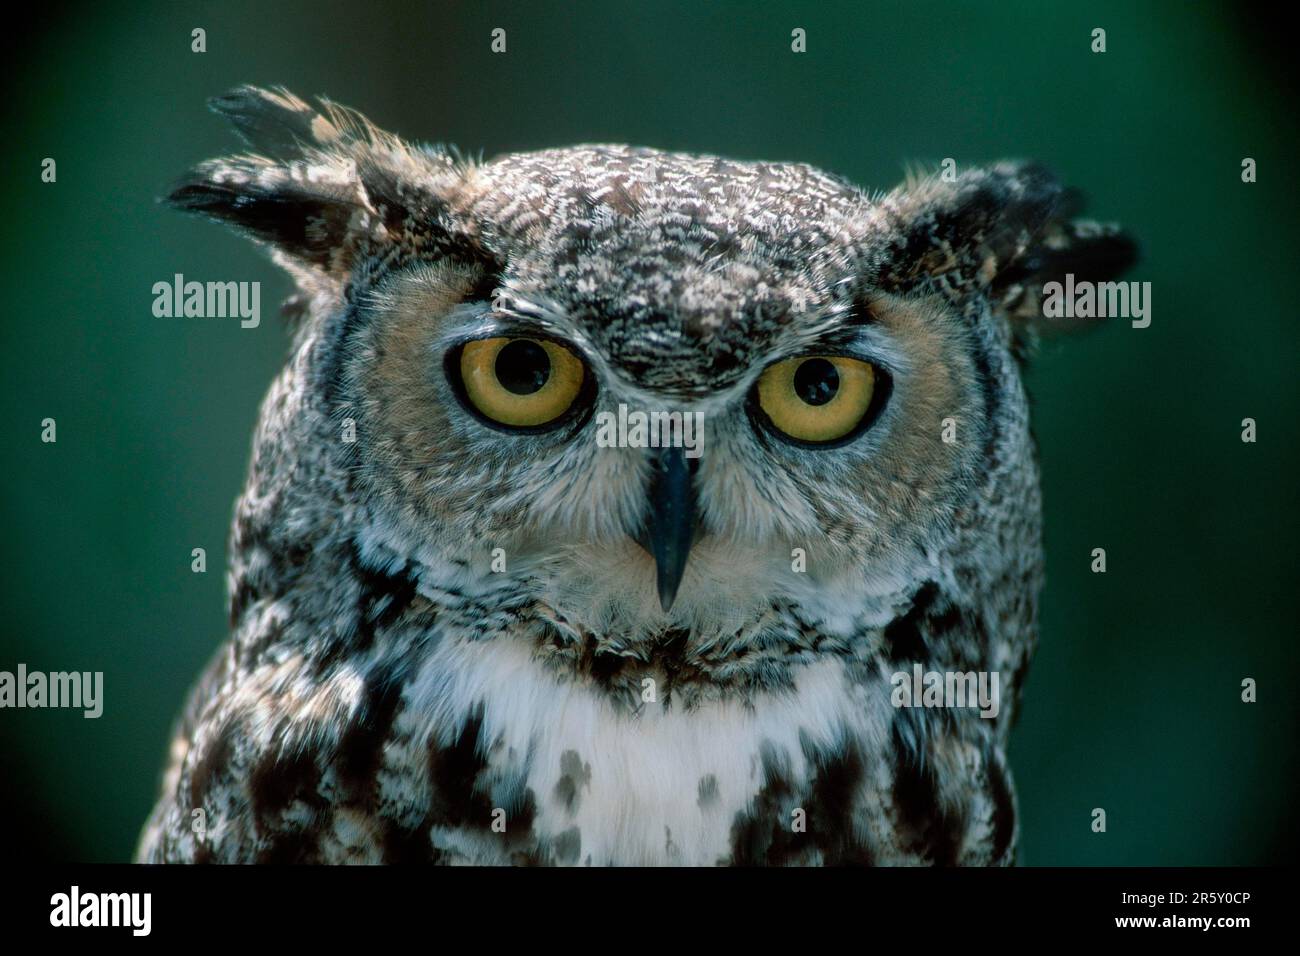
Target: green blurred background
<point>1133,703</point>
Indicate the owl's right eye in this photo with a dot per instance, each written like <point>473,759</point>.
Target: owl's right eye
<point>522,383</point>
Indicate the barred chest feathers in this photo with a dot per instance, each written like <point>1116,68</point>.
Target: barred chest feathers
<point>660,785</point>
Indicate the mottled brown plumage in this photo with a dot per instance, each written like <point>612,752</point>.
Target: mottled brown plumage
<point>447,643</point>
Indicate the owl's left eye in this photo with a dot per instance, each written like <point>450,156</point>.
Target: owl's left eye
<point>819,399</point>
<point>522,383</point>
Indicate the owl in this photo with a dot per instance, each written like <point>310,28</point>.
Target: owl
<point>465,630</point>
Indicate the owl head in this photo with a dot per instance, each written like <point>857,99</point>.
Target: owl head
<point>474,343</point>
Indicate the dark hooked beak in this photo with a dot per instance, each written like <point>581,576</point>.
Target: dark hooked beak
<point>669,529</point>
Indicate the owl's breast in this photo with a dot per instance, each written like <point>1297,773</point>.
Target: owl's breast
<point>559,773</point>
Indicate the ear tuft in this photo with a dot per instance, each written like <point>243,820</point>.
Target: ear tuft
<point>1002,231</point>
<point>1089,251</point>
<point>274,122</point>
<point>310,224</point>
<point>323,184</point>
<point>964,233</point>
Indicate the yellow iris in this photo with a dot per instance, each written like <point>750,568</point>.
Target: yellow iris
<point>520,382</point>
<point>817,398</point>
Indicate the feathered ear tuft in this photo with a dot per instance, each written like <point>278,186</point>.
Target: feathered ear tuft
<point>275,122</point>
<point>323,184</point>
<point>1087,250</point>
<point>1002,231</point>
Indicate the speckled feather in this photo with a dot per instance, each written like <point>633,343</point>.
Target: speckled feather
<point>386,696</point>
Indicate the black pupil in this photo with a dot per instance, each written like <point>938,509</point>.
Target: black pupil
<point>523,367</point>
<point>816,381</point>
